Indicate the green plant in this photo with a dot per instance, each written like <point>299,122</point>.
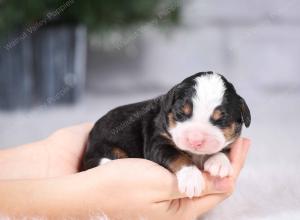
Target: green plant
<point>95,14</point>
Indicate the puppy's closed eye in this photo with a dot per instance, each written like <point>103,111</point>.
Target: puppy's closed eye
<point>182,110</point>
<point>219,116</point>
<point>187,108</point>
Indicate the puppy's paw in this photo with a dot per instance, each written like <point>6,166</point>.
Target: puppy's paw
<point>190,181</point>
<point>218,165</point>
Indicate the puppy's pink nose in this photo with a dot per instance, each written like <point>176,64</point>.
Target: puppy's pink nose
<point>196,140</point>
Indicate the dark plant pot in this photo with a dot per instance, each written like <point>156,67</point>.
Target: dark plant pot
<point>45,68</point>
<point>60,63</point>
<point>16,74</point>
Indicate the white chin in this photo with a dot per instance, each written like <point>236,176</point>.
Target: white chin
<point>201,152</point>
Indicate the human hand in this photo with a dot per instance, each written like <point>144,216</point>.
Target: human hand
<point>146,190</point>
<point>124,189</point>
<point>66,147</point>
<point>58,155</point>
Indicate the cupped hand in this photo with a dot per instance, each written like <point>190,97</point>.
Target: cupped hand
<point>58,155</point>
<point>66,147</point>
<point>141,189</point>
<point>121,189</point>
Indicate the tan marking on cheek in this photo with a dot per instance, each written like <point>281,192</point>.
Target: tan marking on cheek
<point>217,114</point>
<point>187,109</point>
<point>229,132</point>
<point>171,121</point>
<point>165,135</point>
<point>119,153</point>
<point>181,161</point>
<point>168,137</point>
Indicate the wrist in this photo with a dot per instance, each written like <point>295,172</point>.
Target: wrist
<point>51,198</point>
<point>26,161</point>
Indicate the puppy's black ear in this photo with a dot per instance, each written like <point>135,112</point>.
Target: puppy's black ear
<point>168,99</point>
<point>245,112</point>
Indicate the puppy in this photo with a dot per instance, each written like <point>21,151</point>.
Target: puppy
<point>188,128</point>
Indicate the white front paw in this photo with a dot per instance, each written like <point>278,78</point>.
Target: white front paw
<point>218,165</point>
<point>190,181</point>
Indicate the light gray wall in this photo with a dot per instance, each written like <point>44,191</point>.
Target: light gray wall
<point>254,43</point>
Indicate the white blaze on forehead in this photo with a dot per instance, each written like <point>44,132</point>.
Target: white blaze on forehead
<point>209,93</point>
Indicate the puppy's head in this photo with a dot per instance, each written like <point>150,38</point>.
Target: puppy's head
<point>204,113</point>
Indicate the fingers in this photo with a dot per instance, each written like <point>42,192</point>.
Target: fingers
<point>68,144</point>
<point>213,185</point>
<point>216,185</point>
<point>80,129</point>
<point>200,205</point>
<point>84,127</point>
<point>238,154</point>
<point>73,135</point>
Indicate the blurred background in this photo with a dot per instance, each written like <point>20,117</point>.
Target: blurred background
<point>67,62</point>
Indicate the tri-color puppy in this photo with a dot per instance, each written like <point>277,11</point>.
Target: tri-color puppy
<point>188,128</point>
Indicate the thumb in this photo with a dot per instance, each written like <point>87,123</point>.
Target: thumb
<point>212,185</point>
<point>217,185</point>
